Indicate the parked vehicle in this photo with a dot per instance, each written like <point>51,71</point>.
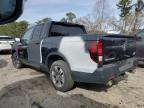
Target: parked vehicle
<point>140,47</point>
<point>6,42</point>
<point>113,32</point>
<point>70,55</point>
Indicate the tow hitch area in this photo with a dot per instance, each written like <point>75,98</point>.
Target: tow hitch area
<point>121,77</point>
<point>117,79</point>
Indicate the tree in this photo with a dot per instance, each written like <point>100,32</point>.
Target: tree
<point>131,17</point>
<point>63,20</point>
<point>69,17</point>
<point>139,5</point>
<point>88,22</point>
<point>97,21</point>
<point>125,7</point>
<point>44,20</point>
<point>138,15</point>
<point>99,13</point>
<point>14,29</point>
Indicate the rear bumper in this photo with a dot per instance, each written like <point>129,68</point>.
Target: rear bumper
<point>106,73</point>
<point>140,61</point>
<point>5,50</point>
<point>5,47</point>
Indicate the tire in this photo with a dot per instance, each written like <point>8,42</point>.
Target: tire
<point>60,76</point>
<point>16,62</point>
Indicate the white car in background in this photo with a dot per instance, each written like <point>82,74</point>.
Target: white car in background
<point>6,42</point>
<point>113,32</point>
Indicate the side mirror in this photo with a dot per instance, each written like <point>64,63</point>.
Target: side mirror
<point>10,10</point>
<point>17,39</point>
<point>23,41</point>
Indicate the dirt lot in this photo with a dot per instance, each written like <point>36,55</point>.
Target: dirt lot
<point>28,88</point>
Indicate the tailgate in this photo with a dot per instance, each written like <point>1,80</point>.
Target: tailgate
<point>118,48</point>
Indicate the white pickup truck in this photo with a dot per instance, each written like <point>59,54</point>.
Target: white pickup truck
<point>69,55</point>
<point>6,42</point>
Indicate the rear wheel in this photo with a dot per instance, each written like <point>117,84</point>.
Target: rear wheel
<point>16,62</point>
<point>60,76</point>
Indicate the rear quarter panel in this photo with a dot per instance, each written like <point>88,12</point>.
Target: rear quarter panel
<point>74,50</point>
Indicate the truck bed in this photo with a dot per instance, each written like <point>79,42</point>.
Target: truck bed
<point>115,47</point>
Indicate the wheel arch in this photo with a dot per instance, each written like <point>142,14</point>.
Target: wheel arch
<point>13,51</point>
<point>54,56</point>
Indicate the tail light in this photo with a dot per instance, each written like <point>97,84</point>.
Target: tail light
<point>96,51</point>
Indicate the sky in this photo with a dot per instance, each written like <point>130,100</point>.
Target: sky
<point>56,9</point>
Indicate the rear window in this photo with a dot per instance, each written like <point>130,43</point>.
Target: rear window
<point>66,30</point>
<point>6,39</point>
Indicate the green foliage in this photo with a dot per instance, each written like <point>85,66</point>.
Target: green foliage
<point>45,20</point>
<point>14,29</point>
<point>70,16</point>
<point>125,7</point>
<point>63,20</point>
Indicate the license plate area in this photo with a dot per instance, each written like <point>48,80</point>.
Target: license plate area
<point>125,64</point>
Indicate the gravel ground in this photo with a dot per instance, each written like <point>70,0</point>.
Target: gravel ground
<point>29,88</point>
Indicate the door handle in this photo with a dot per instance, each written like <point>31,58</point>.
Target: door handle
<point>37,43</point>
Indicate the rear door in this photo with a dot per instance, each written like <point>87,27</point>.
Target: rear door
<point>23,48</point>
<point>140,45</point>
<point>34,45</point>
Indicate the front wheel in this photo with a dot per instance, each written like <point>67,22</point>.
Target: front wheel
<point>15,60</point>
<point>60,76</point>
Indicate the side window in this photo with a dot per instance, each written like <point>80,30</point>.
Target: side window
<point>27,36</point>
<point>37,32</point>
<point>141,34</point>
